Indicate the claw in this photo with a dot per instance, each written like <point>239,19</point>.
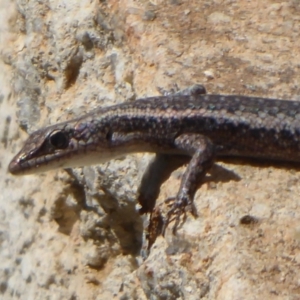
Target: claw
<point>178,211</point>
<point>174,214</point>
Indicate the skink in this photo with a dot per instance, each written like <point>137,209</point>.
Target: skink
<point>203,127</point>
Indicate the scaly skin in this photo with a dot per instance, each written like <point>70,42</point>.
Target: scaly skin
<point>201,126</point>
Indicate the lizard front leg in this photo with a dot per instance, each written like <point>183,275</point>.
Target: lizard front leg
<point>162,165</point>
<point>202,151</point>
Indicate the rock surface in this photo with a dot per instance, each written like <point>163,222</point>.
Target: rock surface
<point>76,234</point>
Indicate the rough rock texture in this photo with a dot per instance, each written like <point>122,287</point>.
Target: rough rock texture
<point>76,234</point>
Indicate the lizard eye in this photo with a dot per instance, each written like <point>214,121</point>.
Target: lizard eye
<point>59,140</point>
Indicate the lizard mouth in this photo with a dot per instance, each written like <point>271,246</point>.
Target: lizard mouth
<point>14,168</point>
<point>17,167</point>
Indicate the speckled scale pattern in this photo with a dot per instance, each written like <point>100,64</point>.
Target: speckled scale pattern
<point>238,125</point>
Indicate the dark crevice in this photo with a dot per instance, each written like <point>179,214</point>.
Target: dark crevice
<point>72,70</point>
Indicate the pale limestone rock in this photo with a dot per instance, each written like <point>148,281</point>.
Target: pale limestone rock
<point>77,235</point>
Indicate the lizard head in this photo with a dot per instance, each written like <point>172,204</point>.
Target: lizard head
<point>40,150</point>
<point>68,144</point>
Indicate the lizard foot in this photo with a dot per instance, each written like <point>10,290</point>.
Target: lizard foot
<point>177,213</point>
